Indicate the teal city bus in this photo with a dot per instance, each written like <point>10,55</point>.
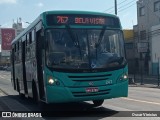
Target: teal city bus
<point>70,56</point>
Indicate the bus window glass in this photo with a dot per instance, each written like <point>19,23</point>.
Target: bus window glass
<point>30,37</point>
<point>33,35</point>
<point>65,51</point>
<point>84,48</point>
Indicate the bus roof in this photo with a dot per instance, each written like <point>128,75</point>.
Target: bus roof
<point>41,16</point>
<point>79,12</point>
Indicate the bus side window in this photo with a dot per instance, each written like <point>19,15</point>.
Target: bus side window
<point>33,35</point>
<point>30,37</point>
<point>26,46</point>
<point>28,49</point>
<point>33,43</point>
<point>30,45</point>
<point>18,51</point>
<point>15,52</point>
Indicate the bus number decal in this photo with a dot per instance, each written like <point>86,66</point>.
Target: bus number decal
<point>108,82</point>
<point>62,19</point>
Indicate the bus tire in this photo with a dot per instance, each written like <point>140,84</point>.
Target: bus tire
<point>34,92</point>
<point>98,102</point>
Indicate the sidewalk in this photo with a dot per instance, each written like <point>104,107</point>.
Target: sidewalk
<point>144,81</point>
<point>144,85</point>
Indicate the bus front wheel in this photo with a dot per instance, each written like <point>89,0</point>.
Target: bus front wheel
<point>98,102</point>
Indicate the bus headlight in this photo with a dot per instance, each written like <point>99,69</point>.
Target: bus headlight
<point>124,77</point>
<point>51,81</point>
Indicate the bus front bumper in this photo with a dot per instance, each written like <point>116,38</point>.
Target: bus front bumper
<point>56,94</point>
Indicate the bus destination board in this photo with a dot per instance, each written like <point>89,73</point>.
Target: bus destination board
<point>81,20</point>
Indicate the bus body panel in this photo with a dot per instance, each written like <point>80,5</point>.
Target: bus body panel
<point>69,90</point>
<point>83,79</point>
<point>65,94</point>
<point>19,77</point>
<point>29,74</point>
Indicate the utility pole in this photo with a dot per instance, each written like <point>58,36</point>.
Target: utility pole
<point>115,7</point>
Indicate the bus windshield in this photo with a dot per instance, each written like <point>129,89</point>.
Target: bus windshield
<point>84,48</point>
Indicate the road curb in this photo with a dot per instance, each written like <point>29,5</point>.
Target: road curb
<point>145,85</point>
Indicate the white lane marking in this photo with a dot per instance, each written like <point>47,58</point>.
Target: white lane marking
<point>113,107</point>
<point>142,101</point>
<point>4,78</point>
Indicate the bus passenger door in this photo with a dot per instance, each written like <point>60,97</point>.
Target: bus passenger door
<point>40,64</point>
<point>24,68</point>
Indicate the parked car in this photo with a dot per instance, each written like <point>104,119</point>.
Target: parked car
<point>1,68</point>
<point>8,69</point>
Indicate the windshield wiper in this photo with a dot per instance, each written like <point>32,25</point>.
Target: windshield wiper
<point>101,36</point>
<point>75,40</point>
<point>100,39</point>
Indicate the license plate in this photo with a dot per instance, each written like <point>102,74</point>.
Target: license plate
<point>90,90</point>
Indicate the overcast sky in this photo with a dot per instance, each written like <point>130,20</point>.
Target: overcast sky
<point>28,10</point>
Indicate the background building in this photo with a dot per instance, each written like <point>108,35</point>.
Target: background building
<point>148,15</point>
<point>6,37</point>
<point>129,45</point>
<point>18,26</point>
<point>155,48</point>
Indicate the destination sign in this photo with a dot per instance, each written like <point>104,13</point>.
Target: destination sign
<point>81,20</point>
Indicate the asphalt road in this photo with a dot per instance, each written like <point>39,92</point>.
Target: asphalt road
<point>140,99</point>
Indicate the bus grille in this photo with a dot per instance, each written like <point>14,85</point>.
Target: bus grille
<point>82,78</point>
<point>84,94</point>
